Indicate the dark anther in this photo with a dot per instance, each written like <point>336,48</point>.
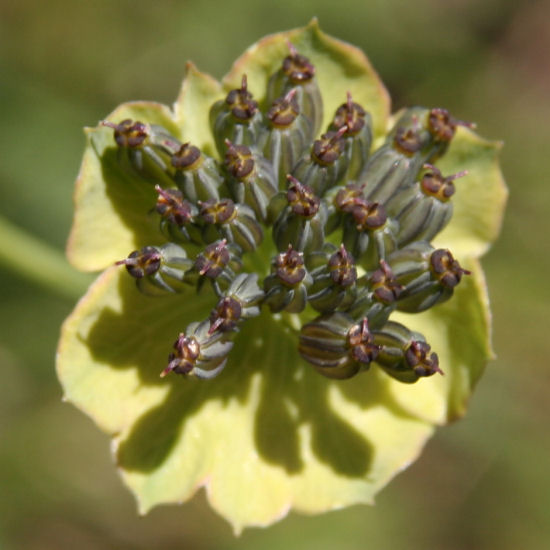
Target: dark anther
<point>243,107</point>
<point>284,110</point>
<point>417,357</point>
<point>368,215</point>
<point>349,197</point>
<point>238,160</point>
<point>141,263</point>
<point>342,268</point>
<point>290,267</point>
<point>361,341</point>
<point>385,287</point>
<point>212,261</point>
<point>128,133</point>
<point>349,115</point>
<point>434,184</point>
<point>297,67</point>
<point>408,140</point>
<point>218,212</point>
<point>172,206</point>
<point>187,157</point>
<point>443,126</point>
<point>226,315</point>
<point>445,268</point>
<point>302,199</point>
<point>185,355</point>
<point>325,151</point>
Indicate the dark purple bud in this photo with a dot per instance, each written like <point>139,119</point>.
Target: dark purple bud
<point>297,67</point>
<point>217,212</point>
<point>173,207</point>
<point>187,158</point>
<point>350,116</point>
<point>240,102</point>
<point>419,358</point>
<point>226,315</point>
<point>442,125</point>
<point>435,185</point>
<point>289,267</point>
<point>361,343</point>
<point>128,133</point>
<point>238,160</point>
<point>385,287</point>
<point>342,268</point>
<point>185,355</point>
<point>301,199</point>
<point>284,110</point>
<point>368,215</point>
<point>141,263</point>
<point>445,268</point>
<point>212,261</point>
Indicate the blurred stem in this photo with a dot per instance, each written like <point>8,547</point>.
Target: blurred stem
<point>39,262</point>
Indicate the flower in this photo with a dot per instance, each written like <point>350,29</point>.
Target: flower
<point>286,417</point>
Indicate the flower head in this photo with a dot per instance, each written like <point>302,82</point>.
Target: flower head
<point>285,236</point>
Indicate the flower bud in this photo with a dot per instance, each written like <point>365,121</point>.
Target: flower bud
<point>178,217</point>
<point>337,346</point>
<point>368,233</point>
<point>428,276</point>
<point>240,302</point>
<point>325,165</point>
<point>298,73</point>
<point>147,148</point>
<point>217,263</point>
<point>404,354</point>
<point>197,175</point>
<point>158,270</point>
<point>357,135</point>
<point>286,136</point>
<point>199,353</point>
<point>301,223</point>
<point>286,287</point>
<point>235,223</point>
<point>376,296</point>
<point>236,118</point>
<point>251,178</point>
<point>334,283</point>
<point>424,209</point>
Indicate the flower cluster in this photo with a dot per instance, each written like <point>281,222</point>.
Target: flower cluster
<point>283,231</point>
<point>351,226</point>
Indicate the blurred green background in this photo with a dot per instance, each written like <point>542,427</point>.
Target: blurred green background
<point>483,483</point>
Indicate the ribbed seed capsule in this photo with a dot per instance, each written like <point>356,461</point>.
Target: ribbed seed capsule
<point>178,217</point>
<point>369,234</point>
<point>334,283</point>
<point>357,136</point>
<point>325,165</point>
<point>424,209</point>
<point>298,73</point>
<point>251,178</point>
<point>428,276</point>
<point>286,287</point>
<point>376,296</point>
<point>240,302</point>
<point>197,175</point>
<point>235,223</point>
<point>236,118</point>
<point>199,353</point>
<point>404,354</point>
<point>337,346</point>
<point>301,223</point>
<point>286,137</point>
<point>158,269</point>
<point>145,149</point>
